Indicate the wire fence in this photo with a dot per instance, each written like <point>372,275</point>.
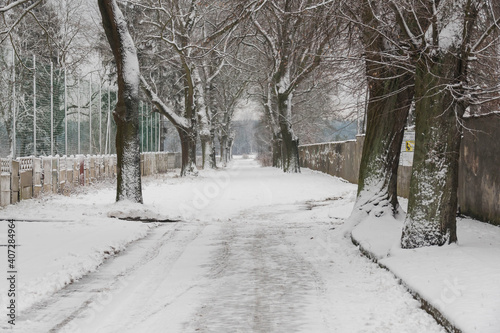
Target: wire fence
<point>47,111</point>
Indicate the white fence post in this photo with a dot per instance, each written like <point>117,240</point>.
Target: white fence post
<point>159,132</point>
<point>34,105</point>
<point>65,114</point>
<point>14,105</point>
<point>100,119</point>
<point>90,114</point>
<point>5,174</point>
<point>51,109</point>
<point>79,120</point>
<point>141,107</point>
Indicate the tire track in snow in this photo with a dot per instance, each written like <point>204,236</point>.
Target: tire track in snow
<point>83,299</point>
<point>258,282</point>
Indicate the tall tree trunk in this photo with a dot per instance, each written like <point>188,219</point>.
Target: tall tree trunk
<point>391,90</point>
<point>208,148</point>
<point>276,150</point>
<point>432,204</point>
<point>213,153</point>
<point>388,107</point>
<point>188,151</point>
<point>126,113</point>
<point>203,113</point>
<point>223,151</point>
<point>441,97</point>
<point>290,142</point>
<point>229,148</point>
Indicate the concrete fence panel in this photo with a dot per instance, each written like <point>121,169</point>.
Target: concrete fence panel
<point>404,176</point>
<point>5,173</point>
<point>14,182</point>
<point>68,185</point>
<point>55,174</point>
<point>86,172</point>
<point>47,174</point>
<point>62,174</point>
<point>4,189</point>
<point>92,166</point>
<point>37,176</point>
<point>25,178</point>
<point>171,161</point>
<point>28,177</point>
<point>178,161</point>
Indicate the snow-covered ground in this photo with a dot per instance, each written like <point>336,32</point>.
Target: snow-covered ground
<point>460,280</point>
<point>255,250</point>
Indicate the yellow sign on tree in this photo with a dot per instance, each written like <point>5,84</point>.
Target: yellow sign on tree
<point>410,145</point>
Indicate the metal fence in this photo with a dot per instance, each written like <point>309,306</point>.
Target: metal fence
<point>48,111</point>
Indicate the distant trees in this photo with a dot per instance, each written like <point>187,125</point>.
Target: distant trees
<point>228,91</point>
<point>190,39</point>
<point>293,37</point>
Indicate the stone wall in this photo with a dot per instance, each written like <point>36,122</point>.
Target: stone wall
<point>29,177</point>
<point>340,159</point>
<point>479,179</point>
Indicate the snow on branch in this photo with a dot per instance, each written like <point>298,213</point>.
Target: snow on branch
<point>4,9</point>
<point>163,108</point>
<point>14,4</point>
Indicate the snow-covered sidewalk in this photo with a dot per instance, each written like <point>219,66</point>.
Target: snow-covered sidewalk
<point>461,281</point>
<point>256,250</point>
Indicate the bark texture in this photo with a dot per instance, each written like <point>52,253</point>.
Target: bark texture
<point>432,205</point>
<point>289,141</point>
<point>441,98</point>
<point>126,113</point>
<point>388,107</point>
<point>188,151</point>
<point>391,90</point>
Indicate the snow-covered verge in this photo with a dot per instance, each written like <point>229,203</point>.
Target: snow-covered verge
<point>61,239</point>
<point>458,282</point>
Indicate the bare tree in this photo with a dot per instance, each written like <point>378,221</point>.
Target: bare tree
<point>229,90</point>
<point>126,113</point>
<point>193,34</point>
<point>445,36</point>
<point>390,89</point>
<point>296,35</point>
<point>13,14</point>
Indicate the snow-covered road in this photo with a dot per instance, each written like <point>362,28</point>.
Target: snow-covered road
<point>256,251</point>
